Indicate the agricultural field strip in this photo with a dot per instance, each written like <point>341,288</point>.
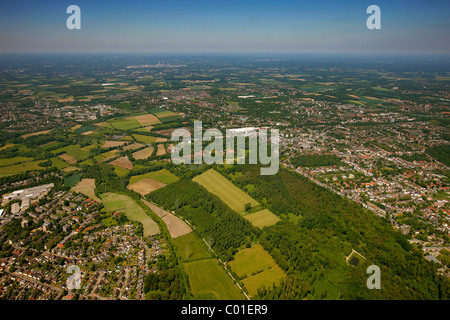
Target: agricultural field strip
<point>177,226</point>
<point>145,186</point>
<point>162,175</point>
<point>20,168</point>
<point>143,154</point>
<point>217,184</point>
<point>15,160</point>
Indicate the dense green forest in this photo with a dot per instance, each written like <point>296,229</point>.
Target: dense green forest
<point>313,250</point>
<point>440,153</point>
<point>414,157</point>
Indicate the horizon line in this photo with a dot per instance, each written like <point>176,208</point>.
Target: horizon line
<point>219,52</point>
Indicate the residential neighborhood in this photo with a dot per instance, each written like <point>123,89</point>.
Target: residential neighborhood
<point>49,237</point>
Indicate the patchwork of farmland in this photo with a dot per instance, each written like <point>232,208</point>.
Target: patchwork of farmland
<point>207,277</point>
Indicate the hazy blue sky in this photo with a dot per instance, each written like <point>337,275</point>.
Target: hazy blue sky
<point>329,26</point>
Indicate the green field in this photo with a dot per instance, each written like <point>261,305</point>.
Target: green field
<point>257,268</point>
<point>159,111</point>
<point>165,115</point>
<point>144,138</point>
<point>109,221</point>
<point>88,147</point>
<point>75,151</point>
<point>217,184</point>
<point>250,260</point>
<point>264,279</point>
<point>65,149</point>
<point>190,247</point>
<point>162,175</point>
<point>51,145</point>
<point>125,124</point>
<point>262,218</point>
<point>20,168</point>
<point>208,280</point>
<point>15,160</point>
<point>142,129</point>
<point>381,89</point>
<point>84,129</point>
<point>87,162</point>
<point>59,163</point>
<point>121,172</point>
<point>72,180</point>
<point>315,88</point>
<point>119,202</point>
